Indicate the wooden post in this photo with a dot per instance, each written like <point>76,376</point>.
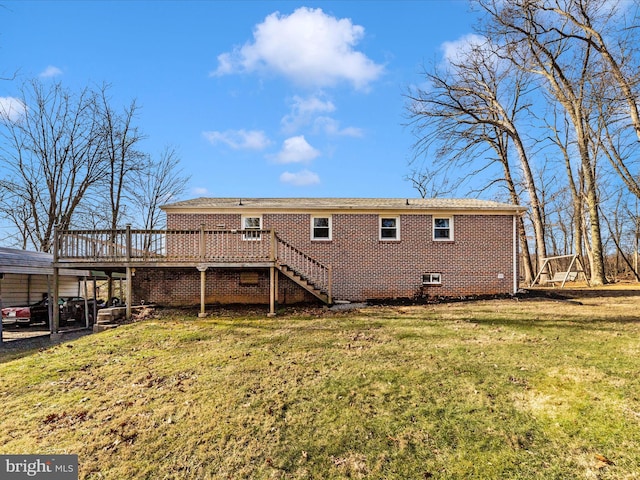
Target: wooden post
<point>86,302</point>
<point>128,245</point>
<point>203,272</point>
<point>272,246</point>
<point>275,287</point>
<point>273,279</point>
<point>54,309</point>
<point>95,299</point>
<point>203,249</point>
<point>129,291</point>
<point>203,285</point>
<point>272,291</point>
<point>330,284</point>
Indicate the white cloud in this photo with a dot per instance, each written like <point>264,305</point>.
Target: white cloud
<point>331,126</point>
<point>306,111</point>
<point>300,179</point>
<point>296,150</point>
<point>303,111</point>
<point>309,47</point>
<point>200,191</point>
<point>12,108</point>
<point>50,72</point>
<point>455,52</point>
<point>239,139</point>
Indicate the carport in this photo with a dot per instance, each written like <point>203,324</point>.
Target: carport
<point>26,277</point>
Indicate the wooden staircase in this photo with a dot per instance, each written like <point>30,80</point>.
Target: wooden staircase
<point>304,270</point>
<point>305,283</point>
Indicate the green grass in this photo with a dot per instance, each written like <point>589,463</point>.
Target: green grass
<point>486,390</point>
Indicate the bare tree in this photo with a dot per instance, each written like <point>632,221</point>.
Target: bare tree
<point>52,154</point>
<point>540,42</point>
<point>123,159</point>
<point>157,183</point>
<point>560,130</point>
<point>604,27</point>
<point>469,110</point>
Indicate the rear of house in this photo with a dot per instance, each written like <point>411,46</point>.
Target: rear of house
<point>368,249</point>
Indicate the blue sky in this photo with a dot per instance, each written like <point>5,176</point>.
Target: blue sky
<point>259,98</point>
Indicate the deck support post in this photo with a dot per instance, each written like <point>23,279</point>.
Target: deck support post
<point>203,285</point>
<point>275,286</point>
<point>129,291</point>
<point>85,294</point>
<point>272,291</point>
<point>330,285</point>
<point>54,309</point>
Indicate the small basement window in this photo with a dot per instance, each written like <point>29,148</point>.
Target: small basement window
<point>432,279</point>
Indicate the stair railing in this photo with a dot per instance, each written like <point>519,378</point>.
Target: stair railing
<point>305,266</point>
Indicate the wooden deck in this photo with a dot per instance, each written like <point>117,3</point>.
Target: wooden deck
<point>202,249</point>
<point>129,247</point>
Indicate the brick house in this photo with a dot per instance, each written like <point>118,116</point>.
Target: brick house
<point>289,250</point>
<point>376,248</point>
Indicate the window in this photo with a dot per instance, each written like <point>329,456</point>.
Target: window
<point>389,228</point>
<point>251,223</point>
<point>443,228</point>
<point>432,279</point>
<point>320,228</point>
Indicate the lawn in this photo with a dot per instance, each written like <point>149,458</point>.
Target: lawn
<point>500,389</point>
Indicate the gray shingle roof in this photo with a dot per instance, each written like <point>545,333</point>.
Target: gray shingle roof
<point>342,204</point>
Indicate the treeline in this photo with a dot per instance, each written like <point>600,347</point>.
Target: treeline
<point>540,107</point>
<point>71,159</point>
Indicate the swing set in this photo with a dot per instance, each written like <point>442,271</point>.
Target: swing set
<point>555,270</point>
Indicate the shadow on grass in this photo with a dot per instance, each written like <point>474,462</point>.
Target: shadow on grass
<point>573,293</point>
<point>23,347</point>
<point>566,322</point>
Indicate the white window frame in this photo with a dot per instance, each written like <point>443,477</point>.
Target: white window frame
<point>253,236</point>
<point>432,279</point>
<point>434,229</point>
<point>313,228</point>
<point>397,228</point>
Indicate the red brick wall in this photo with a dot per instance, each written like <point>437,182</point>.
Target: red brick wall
<point>365,267</point>
<point>181,287</point>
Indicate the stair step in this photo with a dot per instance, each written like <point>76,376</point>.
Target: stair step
<point>304,282</point>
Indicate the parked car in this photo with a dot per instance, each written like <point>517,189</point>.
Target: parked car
<point>26,314</point>
<point>16,315</point>
<point>71,310</point>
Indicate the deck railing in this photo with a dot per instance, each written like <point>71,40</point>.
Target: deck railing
<point>304,265</point>
<point>188,246</point>
<point>132,245</point>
